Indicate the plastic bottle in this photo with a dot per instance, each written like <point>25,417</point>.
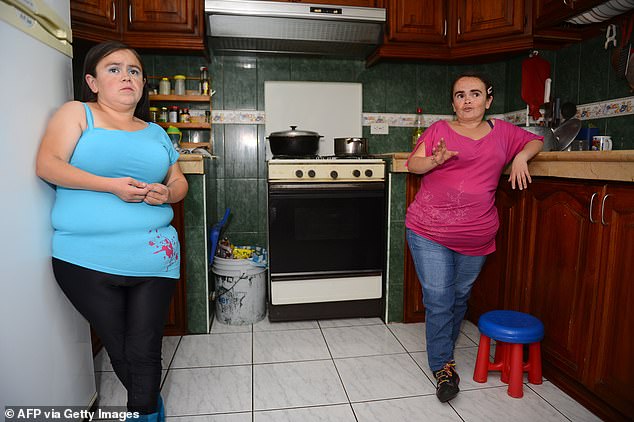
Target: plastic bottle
<point>179,84</point>
<point>204,81</point>
<point>419,127</point>
<point>165,87</point>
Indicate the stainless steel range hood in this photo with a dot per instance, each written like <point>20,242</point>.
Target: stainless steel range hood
<point>254,26</point>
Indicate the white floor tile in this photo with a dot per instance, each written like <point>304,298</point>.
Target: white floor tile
<point>207,390</point>
<point>296,384</point>
<point>213,350</point>
<point>266,325</point>
<point>289,345</point>
<point>347,322</point>
<point>226,417</point>
<point>361,341</point>
<point>339,413</point>
<point>110,390</point>
<point>382,377</point>
<point>419,409</point>
<point>218,327</point>
<point>495,405</point>
<point>469,329</point>
<point>564,403</point>
<point>411,336</point>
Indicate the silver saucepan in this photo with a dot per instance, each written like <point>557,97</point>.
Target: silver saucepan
<point>351,147</point>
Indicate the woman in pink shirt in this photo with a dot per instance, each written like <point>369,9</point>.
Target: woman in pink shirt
<point>452,222</point>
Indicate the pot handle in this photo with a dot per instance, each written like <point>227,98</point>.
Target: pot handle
<point>350,140</point>
<point>293,127</point>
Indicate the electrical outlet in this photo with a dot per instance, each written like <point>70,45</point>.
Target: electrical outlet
<point>379,129</point>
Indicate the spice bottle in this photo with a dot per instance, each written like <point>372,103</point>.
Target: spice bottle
<point>207,116</point>
<point>184,116</point>
<point>154,114</point>
<point>173,114</point>
<point>165,87</point>
<point>163,117</point>
<point>419,127</point>
<point>179,84</point>
<point>204,81</point>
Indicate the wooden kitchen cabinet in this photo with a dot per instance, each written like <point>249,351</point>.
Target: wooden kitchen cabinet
<point>497,285</point>
<point>413,309</point>
<point>454,29</point>
<point>143,24</point>
<point>579,283</point>
<point>176,323</point>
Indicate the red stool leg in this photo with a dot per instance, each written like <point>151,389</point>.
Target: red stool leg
<point>505,362</point>
<point>481,370</point>
<point>534,363</point>
<point>499,352</point>
<point>516,373</point>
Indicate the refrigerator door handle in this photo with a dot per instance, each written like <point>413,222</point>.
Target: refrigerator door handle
<point>45,16</point>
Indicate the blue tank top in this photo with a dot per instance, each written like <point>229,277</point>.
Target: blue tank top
<point>98,230</point>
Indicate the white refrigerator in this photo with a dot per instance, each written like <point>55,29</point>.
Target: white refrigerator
<point>45,348</point>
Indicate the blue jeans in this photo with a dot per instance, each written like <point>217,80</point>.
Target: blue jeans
<point>446,277</point>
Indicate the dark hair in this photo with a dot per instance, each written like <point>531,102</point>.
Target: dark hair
<point>487,85</point>
<point>94,56</point>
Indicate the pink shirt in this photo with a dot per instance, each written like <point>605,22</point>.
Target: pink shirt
<point>455,205</point>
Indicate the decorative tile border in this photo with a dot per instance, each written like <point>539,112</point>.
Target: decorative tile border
<point>599,110</point>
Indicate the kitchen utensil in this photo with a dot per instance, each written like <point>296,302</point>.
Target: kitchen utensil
<point>629,73</point>
<point>565,134</point>
<point>544,131</point>
<point>621,54</point>
<point>351,147</point>
<point>294,143</point>
<point>568,110</point>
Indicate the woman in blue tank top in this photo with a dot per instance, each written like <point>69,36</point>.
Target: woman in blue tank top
<point>115,254</point>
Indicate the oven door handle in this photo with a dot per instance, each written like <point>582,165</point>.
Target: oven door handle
<point>303,187</point>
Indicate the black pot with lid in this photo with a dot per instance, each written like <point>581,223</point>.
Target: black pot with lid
<point>294,143</point>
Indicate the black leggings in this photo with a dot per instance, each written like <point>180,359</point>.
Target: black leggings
<point>128,314</point>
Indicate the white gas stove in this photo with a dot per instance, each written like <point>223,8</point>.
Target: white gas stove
<point>326,169</point>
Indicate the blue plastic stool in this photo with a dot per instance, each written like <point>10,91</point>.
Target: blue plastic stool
<point>511,330</point>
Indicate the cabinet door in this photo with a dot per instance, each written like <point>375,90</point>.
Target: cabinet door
<point>413,309</point>
<point>482,19</point>
<point>417,21</point>
<point>162,16</point>
<point>563,265</point>
<point>176,323</point>
<point>96,20</point>
<point>498,284</point>
<point>613,346</point>
<point>361,3</point>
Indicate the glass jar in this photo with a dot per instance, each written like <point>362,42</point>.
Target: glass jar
<point>204,81</point>
<point>154,114</point>
<point>184,116</point>
<point>179,84</point>
<point>173,114</point>
<point>164,87</point>
<point>163,116</point>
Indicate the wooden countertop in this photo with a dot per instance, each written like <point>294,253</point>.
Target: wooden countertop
<point>191,163</point>
<point>591,165</point>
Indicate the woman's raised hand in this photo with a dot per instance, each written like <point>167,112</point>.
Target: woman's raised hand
<point>129,189</point>
<point>440,153</point>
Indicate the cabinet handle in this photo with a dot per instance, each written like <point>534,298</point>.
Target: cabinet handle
<point>444,32</point>
<point>458,26</point>
<point>594,195</point>
<point>603,209</point>
<point>130,12</point>
<point>114,12</point>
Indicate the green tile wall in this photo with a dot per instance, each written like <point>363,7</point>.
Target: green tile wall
<point>581,74</point>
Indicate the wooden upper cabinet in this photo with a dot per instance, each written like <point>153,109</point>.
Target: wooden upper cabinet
<point>360,3</point>
<point>144,24</point>
<point>484,19</point>
<point>96,20</point>
<point>417,21</point>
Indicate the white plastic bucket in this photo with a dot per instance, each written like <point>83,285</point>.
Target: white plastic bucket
<point>240,291</point>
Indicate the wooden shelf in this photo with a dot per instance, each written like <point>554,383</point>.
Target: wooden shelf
<point>185,125</point>
<point>182,98</point>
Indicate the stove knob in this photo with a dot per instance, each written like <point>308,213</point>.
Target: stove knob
<point>368,173</point>
<point>356,173</point>
<point>311,173</point>
<point>299,173</point>
<point>334,174</point>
